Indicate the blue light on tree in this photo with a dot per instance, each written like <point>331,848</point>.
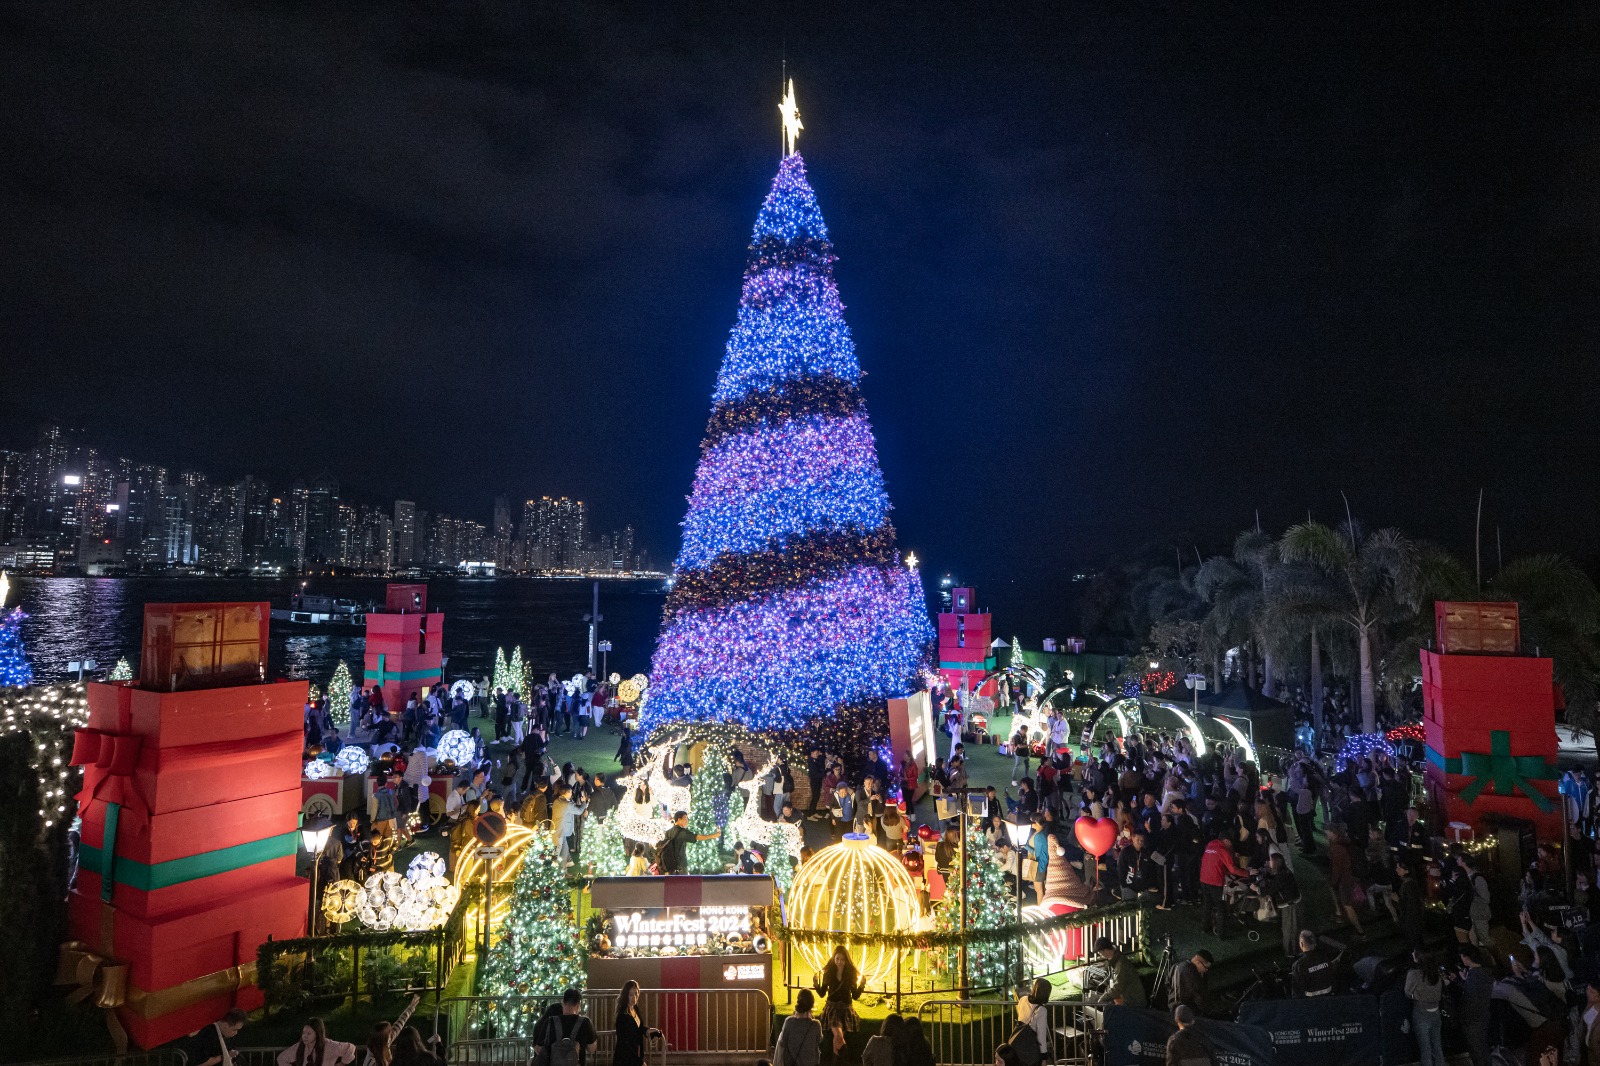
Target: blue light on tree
<point>14,668</point>
<point>790,605</point>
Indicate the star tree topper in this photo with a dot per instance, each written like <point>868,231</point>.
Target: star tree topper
<point>790,110</point>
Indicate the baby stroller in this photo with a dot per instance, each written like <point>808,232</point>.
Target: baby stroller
<point>1245,906</point>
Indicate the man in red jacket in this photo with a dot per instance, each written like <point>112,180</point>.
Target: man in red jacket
<point>1216,863</point>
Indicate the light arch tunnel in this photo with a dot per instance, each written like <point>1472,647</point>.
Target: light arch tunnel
<point>1128,715</point>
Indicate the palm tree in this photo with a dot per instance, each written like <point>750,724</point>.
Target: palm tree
<point>1237,590</point>
<point>1304,603</point>
<point>1377,581</point>
<point>1560,614</point>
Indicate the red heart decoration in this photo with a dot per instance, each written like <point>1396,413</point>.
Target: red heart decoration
<point>1095,834</point>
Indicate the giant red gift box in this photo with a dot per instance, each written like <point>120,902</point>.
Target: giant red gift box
<point>190,808</point>
<point>1489,724</point>
<point>405,645</point>
<point>964,637</point>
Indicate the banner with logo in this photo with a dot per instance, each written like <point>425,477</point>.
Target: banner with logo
<point>1136,1037</point>
<point>1325,1031</point>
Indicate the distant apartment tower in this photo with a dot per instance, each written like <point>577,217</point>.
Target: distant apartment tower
<point>322,520</point>
<point>501,549</point>
<point>405,532</point>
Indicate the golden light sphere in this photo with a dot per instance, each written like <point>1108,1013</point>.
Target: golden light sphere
<point>341,900</point>
<point>853,886</point>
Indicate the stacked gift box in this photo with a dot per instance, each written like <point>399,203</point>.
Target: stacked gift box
<point>405,645</point>
<point>1489,722</point>
<point>190,807</point>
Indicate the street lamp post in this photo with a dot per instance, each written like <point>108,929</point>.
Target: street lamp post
<point>605,658</point>
<point>1197,682</point>
<point>964,797</point>
<point>1020,831</point>
<point>314,833</point>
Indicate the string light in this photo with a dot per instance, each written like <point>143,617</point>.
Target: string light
<point>778,661</point>
<point>852,887</point>
<point>1362,746</point>
<point>47,715</point>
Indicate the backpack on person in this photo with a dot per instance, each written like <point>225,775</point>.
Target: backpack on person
<point>558,1048</point>
<point>1025,1042</point>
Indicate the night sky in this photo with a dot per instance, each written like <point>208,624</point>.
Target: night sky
<point>1115,276</point>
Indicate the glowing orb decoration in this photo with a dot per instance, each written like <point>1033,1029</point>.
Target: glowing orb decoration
<point>425,909</point>
<point>642,680</point>
<point>382,898</point>
<point>457,746</point>
<point>341,901</point>
<point>352,760</point>
<point>317,770</point>
<point>425,864</point>
<point>386,887</point>
<point>853,887</point>
<point>437,889</point>
<point>614,679</point>
<point>629,691</point>
<point>429,905</point>
<point>463,689</point>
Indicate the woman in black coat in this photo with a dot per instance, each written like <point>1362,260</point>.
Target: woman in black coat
<point>631,1031</point>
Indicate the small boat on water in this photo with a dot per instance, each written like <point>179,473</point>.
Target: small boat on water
<point>306,609</point>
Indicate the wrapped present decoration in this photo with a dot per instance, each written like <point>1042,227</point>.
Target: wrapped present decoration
<point>190,804</point>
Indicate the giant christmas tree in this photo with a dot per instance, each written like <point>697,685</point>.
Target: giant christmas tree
<point>790,605</point>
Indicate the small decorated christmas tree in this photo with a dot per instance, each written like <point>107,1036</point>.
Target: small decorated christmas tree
<point>537,951</point>
<point>780,862</point>
<point>515,672</point>
<point>339,688</point>
<point>604,849</point>
<point>121,672</point>
<point>502,673</point>
<point>988,907</point>
<point>705,856</point>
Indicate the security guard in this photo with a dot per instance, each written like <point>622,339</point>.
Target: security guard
<point>1314,969</point>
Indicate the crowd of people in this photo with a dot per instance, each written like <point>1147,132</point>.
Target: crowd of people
<point>1211,833</point>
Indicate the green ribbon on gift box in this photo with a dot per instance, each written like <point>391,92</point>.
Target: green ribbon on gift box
<point>147,877</point>
<point>1505,773</point>
<point>383,674</point>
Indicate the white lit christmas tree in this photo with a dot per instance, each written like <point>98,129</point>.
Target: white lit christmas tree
<point>501,679</point>
<point>780,862</point>
<point>339,688</point>
<point>537,951</point>
<point>604,847</point>
<point>705,856</point>
<point>516,675</point>
<point>121,672</point>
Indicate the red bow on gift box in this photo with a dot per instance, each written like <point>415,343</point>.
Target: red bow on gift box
<point>116,755</point>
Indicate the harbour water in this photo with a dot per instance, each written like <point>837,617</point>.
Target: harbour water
<point>101,618</point>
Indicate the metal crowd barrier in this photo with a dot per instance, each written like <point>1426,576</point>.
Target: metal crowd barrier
<point>965,1032</point>
<point>167,1056</point>
<point>700,1025</point>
